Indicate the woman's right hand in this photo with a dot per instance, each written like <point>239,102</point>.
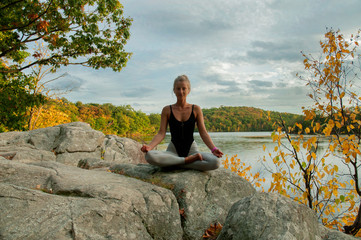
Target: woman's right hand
<point>145,148</point>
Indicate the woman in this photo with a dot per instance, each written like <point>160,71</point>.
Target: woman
<point>182,150</point>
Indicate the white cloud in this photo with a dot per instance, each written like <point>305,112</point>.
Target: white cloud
<point>236,52</point>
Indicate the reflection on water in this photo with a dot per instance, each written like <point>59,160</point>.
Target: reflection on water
<point>246,145</point>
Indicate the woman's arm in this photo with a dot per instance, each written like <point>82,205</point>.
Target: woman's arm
<point>204,134</point>
<point>161,133</point>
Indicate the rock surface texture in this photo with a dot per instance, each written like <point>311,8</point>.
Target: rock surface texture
<point>49,200</point>
<point>203,197</point>
<point>68,144</point>
<point>72,182</point>
<point>274,217</point>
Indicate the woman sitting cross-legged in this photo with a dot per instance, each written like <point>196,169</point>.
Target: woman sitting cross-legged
<point>182,151</point>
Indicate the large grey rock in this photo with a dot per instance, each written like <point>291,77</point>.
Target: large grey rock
<point>116,148</point>
<point>272,216</point>
<point>78,139</point>
<point>25,175</point>
<point>203,197</point>
<point>26,153</point>
<point>69,143</point>
<point>42,198</point>
<point>82,204</point>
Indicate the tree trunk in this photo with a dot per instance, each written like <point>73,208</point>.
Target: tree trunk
<point>356,226</point>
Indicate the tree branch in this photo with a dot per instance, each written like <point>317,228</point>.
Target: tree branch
<point>29,23</point>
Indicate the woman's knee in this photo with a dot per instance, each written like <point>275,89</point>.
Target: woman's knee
<point>151,158</point>
<point>215,163</point>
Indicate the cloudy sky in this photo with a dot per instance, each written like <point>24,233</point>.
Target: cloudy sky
<point>235,52</point>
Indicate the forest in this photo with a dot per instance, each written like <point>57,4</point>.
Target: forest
<point>244,119</point>
<point>125,121</point>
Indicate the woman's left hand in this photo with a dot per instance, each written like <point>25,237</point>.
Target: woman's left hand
<point>218,153</point>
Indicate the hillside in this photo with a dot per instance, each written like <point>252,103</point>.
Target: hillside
<point>127,122</point>
<point>243,119</point>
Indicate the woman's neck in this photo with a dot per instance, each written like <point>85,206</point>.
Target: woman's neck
<point>181,103</point>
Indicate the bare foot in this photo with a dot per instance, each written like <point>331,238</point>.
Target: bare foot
<point>193,158</point>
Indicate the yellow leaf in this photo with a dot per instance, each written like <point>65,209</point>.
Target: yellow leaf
<point>304,195</point>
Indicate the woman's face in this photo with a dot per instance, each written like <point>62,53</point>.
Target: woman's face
<point>181,89</point>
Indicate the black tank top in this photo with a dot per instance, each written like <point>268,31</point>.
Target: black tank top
<point>182,133</point>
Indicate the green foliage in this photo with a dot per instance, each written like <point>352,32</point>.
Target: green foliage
<point>110,119</point>
<point>15,99</point>
<point>154,119</point>
<point>90,33</point>
<point>125,121</point>
<point>241,119</point>
<point>95,29</point>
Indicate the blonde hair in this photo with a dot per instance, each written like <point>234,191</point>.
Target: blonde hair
<point>182,78</point>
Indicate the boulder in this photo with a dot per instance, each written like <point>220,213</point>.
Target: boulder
<point>69,143</point>
<point>272,216</point>
<point>43,195</point>
<point>204,198</point>
<point>126,149</point>
<point>49,200</point>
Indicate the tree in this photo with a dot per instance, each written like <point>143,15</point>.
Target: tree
<point>50,115</point>
<point>335,98</point>
<point>302,172</point>
<point>90,33</point>
<point>15,100</point>
<point>93,29</point>
<point>40,87</point>
<point>326,181</point>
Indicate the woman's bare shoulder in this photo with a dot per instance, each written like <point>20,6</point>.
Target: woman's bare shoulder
<point>166,110</point>
<point>197,108</point>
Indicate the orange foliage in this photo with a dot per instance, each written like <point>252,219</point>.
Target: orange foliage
<point>300,170</point>
<point>244,171</point>
<point>213,231</point>
<point>48,116</point>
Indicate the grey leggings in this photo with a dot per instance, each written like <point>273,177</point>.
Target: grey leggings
<point>170,158</point>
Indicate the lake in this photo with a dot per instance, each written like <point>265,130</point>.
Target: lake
<point>248,146</point>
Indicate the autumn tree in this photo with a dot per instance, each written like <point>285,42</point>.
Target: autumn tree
<point>51,114</point>
<point>40,81</point>
<point>326,181</point>
<point>89,33</point>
